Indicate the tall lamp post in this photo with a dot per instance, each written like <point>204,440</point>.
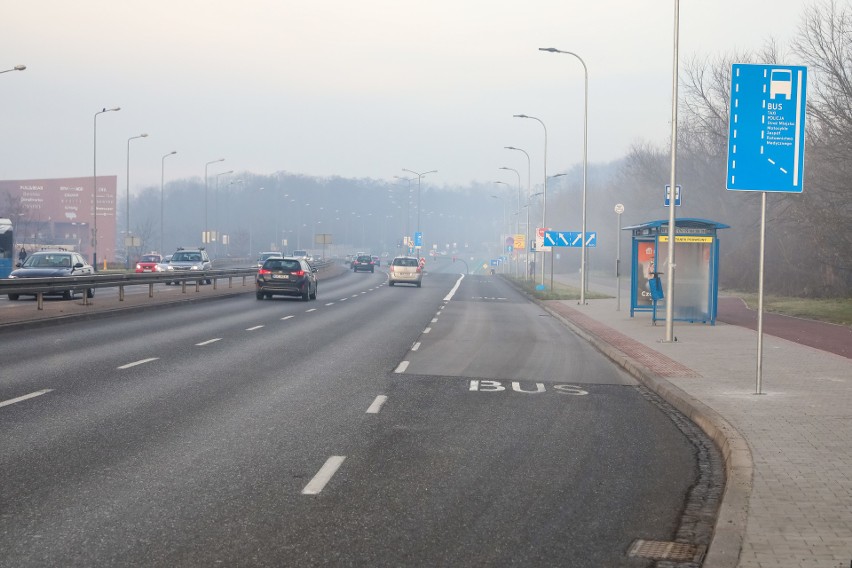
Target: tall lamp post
<point>509,222</point>
<point>407,207</point>
<point>529,192</point>
<point>205,236</point>
<point>419,177</point>
<point>95,186</point>
<point>585,165</point>
<point>216,205</point>
<point>543,198</point>
<point>127,198</point>
<point>162,197</point>
<point>518,220</point>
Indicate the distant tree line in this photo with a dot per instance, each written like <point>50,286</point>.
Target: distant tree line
<point>809,235</point>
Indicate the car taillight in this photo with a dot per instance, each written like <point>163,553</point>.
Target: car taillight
<point>264,271</point>
<point>299,273</point>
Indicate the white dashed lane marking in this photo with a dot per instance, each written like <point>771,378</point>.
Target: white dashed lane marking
<point>323,476</point>
<point>25,397</point>
<point>140,362</point>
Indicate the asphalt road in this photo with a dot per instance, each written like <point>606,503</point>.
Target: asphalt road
<point>454,424</point>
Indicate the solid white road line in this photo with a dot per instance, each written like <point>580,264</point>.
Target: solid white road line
<point>254,328</point>
<point>377,404</point>
<point>452,293</point>
<point>286,317</point>
<point>401,367</point>
<point>324,475</point>
<point>416,346</point>
<point>25,397</point>
<point>140,362</point>
<point>208,342</point>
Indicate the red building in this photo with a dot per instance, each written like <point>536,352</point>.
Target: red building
<point>60,213</point>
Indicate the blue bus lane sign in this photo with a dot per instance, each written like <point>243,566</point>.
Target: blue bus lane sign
<point>766,132</point>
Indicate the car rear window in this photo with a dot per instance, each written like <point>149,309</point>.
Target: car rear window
<point>281,264</point>
<point>405,262</point>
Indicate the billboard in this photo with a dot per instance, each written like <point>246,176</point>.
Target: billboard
<point>60,213</point>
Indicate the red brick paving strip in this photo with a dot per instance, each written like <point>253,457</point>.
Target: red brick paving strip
<point>656,362</point>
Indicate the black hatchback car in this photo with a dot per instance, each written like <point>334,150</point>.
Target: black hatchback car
<point>286,277</point>
<point>363,263</point>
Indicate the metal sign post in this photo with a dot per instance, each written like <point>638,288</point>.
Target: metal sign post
<point>619,209</point>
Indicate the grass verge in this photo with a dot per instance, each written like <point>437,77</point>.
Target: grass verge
<point>559,292</point>
<point>834,310</point>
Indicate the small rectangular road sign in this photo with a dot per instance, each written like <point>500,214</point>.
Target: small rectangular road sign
<point>766,134</point>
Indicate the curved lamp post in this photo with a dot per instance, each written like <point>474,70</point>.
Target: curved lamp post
<point>95,186</point>
<point>585,164</point>
<point>518,217</point>
<point>408,206</point>
<point>543,199</point>
<point>508,221</point>
<point>15,68</point>
<point>206,234</point>
<point>419,177</point>
<point>162,197</point>
<point>529,191</point>
<point>127,198</point>
<point>216,205</point>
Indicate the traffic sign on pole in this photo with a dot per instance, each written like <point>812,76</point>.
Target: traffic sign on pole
<point>668,199</point>
<point>766,134</point>
<point>570,238</point>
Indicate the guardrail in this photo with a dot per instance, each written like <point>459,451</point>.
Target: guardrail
<point>59,284</point>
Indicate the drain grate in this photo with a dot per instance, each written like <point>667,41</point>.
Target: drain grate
<point>662,550</point>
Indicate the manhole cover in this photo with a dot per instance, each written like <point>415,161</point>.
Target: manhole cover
<point>662,550</point>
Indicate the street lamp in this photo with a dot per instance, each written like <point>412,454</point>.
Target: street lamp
<point>127,198</point>
<point>585,166</point>
<point>205,235</point>
<point>419,177</point>
<point>216,204</point>
<point>529,190</point>
<point>162,197</point>
<point>518,221</point>
<point>15,68</point>
<point>95,188</point>
<point>543,199</point>
<point>407,205</point>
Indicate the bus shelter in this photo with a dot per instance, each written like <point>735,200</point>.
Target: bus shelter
<point>696,283</point>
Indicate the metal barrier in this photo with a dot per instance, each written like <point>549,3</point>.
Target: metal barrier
<point>59,284</point>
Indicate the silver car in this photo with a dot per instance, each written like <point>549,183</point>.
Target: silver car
<point>186,261</point>
<point>405,270</point>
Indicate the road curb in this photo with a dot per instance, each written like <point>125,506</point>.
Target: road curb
<point>731,523</point>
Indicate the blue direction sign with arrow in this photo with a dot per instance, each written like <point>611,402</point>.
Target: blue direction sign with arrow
<point>570,239</point>
<point>766,134</point>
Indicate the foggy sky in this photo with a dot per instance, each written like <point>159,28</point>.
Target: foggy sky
<point>352,89</point>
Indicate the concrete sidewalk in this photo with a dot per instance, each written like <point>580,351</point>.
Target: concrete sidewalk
<point>788,451</point>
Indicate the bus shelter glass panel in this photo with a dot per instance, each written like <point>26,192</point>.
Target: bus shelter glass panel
<point>696,284</point>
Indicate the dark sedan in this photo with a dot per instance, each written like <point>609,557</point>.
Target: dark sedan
<point>286,277</point>
<point>50,264</point>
